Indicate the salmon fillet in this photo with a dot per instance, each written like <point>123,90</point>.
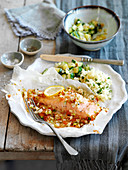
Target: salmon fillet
<point>70,103</point>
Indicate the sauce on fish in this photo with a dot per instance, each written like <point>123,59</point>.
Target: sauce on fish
<point>66,109</point>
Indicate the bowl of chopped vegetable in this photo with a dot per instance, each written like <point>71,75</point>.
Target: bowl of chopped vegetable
<point>30,46</point>
<point>91,27</point>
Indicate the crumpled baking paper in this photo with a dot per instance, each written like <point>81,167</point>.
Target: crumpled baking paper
<point>32,79</point>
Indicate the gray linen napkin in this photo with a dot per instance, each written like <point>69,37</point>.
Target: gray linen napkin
<point>105,151</point>
<point>42,20</point>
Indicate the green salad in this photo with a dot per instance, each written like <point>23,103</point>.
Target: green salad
<point>92,31</point>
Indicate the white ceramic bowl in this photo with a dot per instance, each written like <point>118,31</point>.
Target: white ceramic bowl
<point>88,13</point>
<point>11,59</point>
<point>30,46</point>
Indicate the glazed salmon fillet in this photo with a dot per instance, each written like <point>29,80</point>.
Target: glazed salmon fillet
<point>70,102</point>
<point>83,110</point>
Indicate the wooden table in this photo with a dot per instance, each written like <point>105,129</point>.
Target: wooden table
<point>16,141</point>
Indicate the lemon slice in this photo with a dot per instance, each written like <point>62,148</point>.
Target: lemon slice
<point>53,90</point>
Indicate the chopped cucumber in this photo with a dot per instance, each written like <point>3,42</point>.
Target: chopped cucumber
<point>74,27</point>
<point>79,27</point>
<point>63,63</point>
<point>81,34</point>
<point>72,33</point>
<point>88,37</point>
<point>57,64</point>
<point>71,65</point>
<point>65,67</point>
<point>85,31</point>
<point>70,30</point>
<point>86,27</point>
<point>70,76</point>
<point>76,69</point>
<point>76,34</point>
<point>80,64</point>
<point>78,74</point>
<point>80,69</point>
<point>86,68</point>
<point>44,70</point>
<point>59,70</point>
<point>64,76</point>
<point>72,70</point>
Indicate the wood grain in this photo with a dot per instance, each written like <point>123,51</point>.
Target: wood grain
<point>27,156</point>
<point>7,37</point>
<point>22,139</point>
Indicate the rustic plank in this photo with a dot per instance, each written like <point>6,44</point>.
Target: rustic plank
<point>20,138</point>
<point>27,156</point>
<point>7,37</point>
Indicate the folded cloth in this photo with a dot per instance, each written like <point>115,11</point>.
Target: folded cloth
<point>42,20</point>
<point>105,151</point>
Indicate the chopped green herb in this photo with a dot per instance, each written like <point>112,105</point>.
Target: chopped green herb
<point>74,61</point>
<point>99,91</point>
<point>86,80</point>
<point>98,84</point>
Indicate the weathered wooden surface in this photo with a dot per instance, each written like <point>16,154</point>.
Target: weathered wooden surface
<point>6,39</point>
<point>26,156</point>
<point>19,142</point>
